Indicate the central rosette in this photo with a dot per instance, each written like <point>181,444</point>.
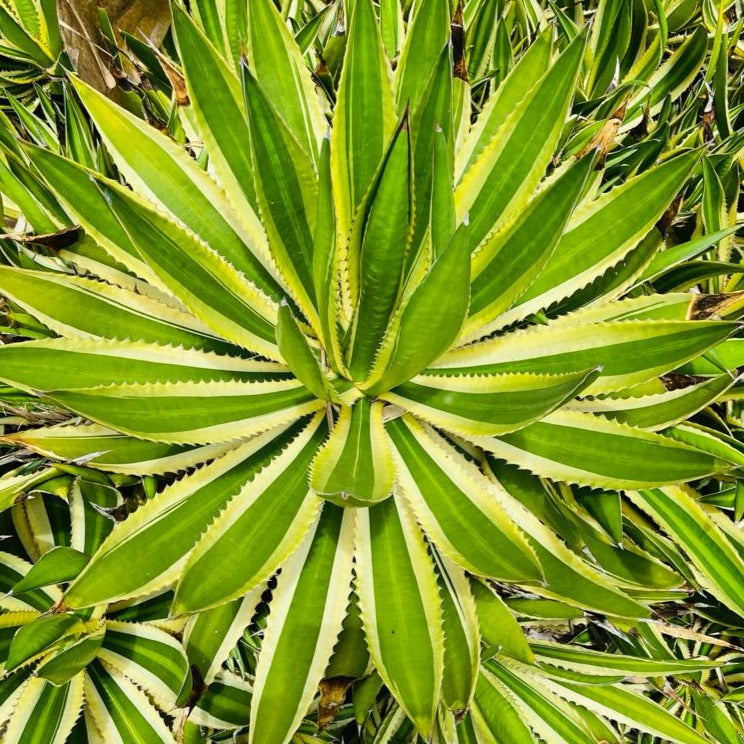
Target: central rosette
<point>356,377</point>
<point>355,465</point>
<point>385,295</point>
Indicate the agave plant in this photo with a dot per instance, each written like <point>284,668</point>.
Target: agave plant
<point>30,45</point>
<point>373,337</point>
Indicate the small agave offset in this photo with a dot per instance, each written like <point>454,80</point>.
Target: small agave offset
<point>371,324</point>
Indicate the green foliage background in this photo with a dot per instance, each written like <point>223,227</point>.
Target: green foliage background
<point>607,604</point>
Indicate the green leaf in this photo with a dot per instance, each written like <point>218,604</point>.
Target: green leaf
<point>350,656</point>
<point>211,635</point>
<point>515,159</point>
<point>216,100</point>
<point>543,609</point>
<point>86,203</point>
<point>508,262</point>
<point>401,609</point>
<point>66,664</point>
<point>430,321</point>
<point>280,68</point>
<point>481,24</point>
<point>546,714</point>
<point>678,254</point>
<point>299,355</point>
<point>718,722</point>
<point>287,192</point>
<point>426,36</point>
<point>151,658</point>
<point>45,713</point>
<point>433,145</point>
<point>38,215</point>
<point>19,483</point>
<point>309,602</point>
<point>197,275</point>
<point>496,715</point>
<point>192,413</point>
<point>670,306</point>
<point>364,116</point>
<point>609,41</point>
<point>566,577</point>
<point>23,38</point>
<point>225,704</point>
<point>377,272</point>
<point>654,412</point>
<point>587,450</point>
<point>85,308</point>
<point>628,351</point>
<point>10,622</point>
<point>461,636</point>
<point>713,205</point>
<point>671,78</point>
<point>121,711</point>
<point>68,364</point>
<point>54,567</point>
<point>30,16</point>
<point>716,563</point>
<point>106,449</point>
<point>326,263</point>
<point>727,356</point>
<point>364,695</point>
<point>500,630</point>
<point>487,405</point>
<point>147,551</point>
<point>606,508</point>
<point>78,139</point>
<point>623,216</point>
<point>11,688</point>
<point>628,563</point>
<point>161,169</point>
<point>449,496</point>
<point>264,523</point>
<point>13,569</point>
<point>632,709</point>
<point>443,219</point>
<point>589,661</point>
<point>391,26</point>
<point>308,34</point>
<point>36,125</point>
<point>355,466</point>
<point>38,636</point>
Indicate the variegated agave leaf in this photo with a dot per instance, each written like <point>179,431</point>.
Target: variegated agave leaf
<point>86,676</point>
<point>380,344</point>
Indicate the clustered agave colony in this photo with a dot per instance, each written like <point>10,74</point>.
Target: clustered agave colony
<point>372,336</point>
